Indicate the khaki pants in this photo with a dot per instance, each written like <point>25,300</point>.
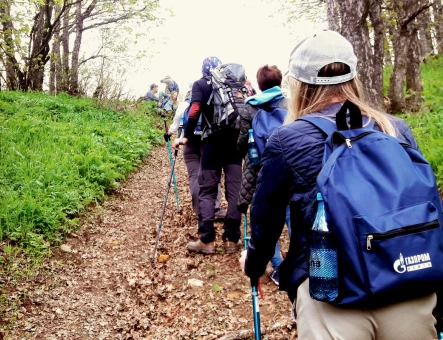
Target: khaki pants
<point>408,320</point>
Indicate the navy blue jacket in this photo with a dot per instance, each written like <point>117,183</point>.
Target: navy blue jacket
<point>290,165</point>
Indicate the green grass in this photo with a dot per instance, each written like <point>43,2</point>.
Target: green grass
<point>57,156</point>
<point>427,126</point>
<point>431,78</point>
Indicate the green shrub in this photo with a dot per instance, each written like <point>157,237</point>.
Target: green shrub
<point>59,154</point>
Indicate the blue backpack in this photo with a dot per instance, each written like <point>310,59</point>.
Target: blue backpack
<point>267,119</point>
<point>384,212</point>
<point>197,130</point>
<point>173,87</point>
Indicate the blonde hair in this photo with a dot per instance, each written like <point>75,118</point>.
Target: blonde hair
<point>307,98</point>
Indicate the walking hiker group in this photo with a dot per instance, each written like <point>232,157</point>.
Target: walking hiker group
<point>361,203</point>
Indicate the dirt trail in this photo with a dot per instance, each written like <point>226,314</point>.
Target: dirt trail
<point>103,285</point>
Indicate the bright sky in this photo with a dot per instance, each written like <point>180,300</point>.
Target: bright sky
<point>250,32</point>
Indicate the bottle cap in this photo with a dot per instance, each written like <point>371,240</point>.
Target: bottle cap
<point>251,130</point>
<point>319,196</point>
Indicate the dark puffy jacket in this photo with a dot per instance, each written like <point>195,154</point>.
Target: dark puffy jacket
<point>290,165</point>
<point>250,173</point>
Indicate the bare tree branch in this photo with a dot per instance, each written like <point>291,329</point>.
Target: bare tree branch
<point>93,57</point>
<point>414,15</point>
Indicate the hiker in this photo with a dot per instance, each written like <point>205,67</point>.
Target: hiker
<point>218,152</point>
<point>171,85</point>
<point>151,95</point>
<point>273,109</point>
<point>322,76</point>
<point>192,156</point>
<point>170,106</point>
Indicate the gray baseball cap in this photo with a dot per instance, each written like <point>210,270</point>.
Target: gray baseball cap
<point>318,50</point>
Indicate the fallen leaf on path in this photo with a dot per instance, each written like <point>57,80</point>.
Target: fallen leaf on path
<point>66,248</point>
<point>163,258</point>
<point>195,283</point>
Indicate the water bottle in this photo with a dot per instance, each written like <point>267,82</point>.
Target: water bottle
<point>323,271</point>
<point>252,149</point>
<point>440,335</point>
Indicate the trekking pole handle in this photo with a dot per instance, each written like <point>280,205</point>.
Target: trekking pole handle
<point>254,282</point>
<point>166,126</point>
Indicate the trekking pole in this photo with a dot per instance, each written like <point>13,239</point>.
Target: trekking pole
<point>173,174</point>
<point>245,232</point>
<point>256,308</point>
<point>164,207</point>
<point>255,285</point>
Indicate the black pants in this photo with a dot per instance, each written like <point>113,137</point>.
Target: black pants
<point>192,156</point>
<point>219,152</point>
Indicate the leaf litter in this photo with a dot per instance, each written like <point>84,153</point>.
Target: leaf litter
<point>100,284</point>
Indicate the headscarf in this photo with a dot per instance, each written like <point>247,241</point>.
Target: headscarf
<point>208,64</point>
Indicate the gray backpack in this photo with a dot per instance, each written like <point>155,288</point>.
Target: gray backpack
<point>228,96</point>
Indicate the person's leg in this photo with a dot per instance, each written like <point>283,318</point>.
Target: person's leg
<point>217,202</point>
<point>276,260</point>
<point>233,173</point>
<point>208,180</point>
<point>322,321</point>
<point>220,213</point>
<point>288,220</point>
<point>165,98</point>
<point>412,320</point>
<point>191,155</point>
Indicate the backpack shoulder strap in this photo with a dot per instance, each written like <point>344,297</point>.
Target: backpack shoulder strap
<point>329,126</point>
<point>324,124</point>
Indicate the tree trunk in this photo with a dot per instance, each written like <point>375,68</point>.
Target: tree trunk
<point>41,35</point>
<point>15,79</point>
<point>424,24</point>
<point>73,86</point>
<point>34,64</point>
<point>414,85</point>
<point>65,69</point>
<point>334,18</point>
<point>354,14</point>
<point>55,59</point>
<point>406,13</point>
<point>438,20</point>
<point>389,41</point>
<point>378,53</point>
<point>396,95</point>
<point>387,58</point>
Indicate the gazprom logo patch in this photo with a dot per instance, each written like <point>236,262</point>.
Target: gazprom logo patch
<point>412,263</point>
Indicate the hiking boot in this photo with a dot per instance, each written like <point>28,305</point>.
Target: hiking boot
<point>220,214</point>
<point>274,277</point>
<point>200,247</point>
<point>232,247</point>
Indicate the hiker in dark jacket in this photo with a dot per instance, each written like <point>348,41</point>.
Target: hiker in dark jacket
<point>151,95</point>
<point>269,79</point>
<point>192,156</point>
<point>290,165</point>
<point>218,152</point>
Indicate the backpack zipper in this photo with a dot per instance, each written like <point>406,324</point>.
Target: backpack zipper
<point>401,232</point>
<point>349,140</point>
